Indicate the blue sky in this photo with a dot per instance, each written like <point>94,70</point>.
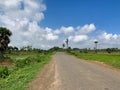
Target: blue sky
<point>105,14</point>
<point>47,23</point>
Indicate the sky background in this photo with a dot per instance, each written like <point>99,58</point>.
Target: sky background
<point>47,23</point>
<point>103,13</point>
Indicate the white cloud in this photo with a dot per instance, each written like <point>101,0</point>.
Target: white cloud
<point>86,29</point>
<point>56,31</point>
<point>8,4</point>
<point>33,27</point>
<point>67,30</point>
<point>22,18</point>
<point>108,40</point>
<point>78,38</point>
<point>48,30</point>
<point>50,36</point>
<point>38,17</point>
<point>108,37</point>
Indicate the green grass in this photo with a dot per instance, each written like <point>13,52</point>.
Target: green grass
<point>20,77</point>
<point>110,59</point>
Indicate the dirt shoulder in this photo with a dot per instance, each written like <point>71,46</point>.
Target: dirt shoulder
<point>45,78</point>
<point>6,63</point>
<point>104,65</point>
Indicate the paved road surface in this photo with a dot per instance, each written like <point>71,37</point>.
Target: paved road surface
<point>76,74</point>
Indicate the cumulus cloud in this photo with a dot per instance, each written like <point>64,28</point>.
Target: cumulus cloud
<point>107,36</point>
<point>86,29</point>
<point>22,18</point>
<point>67,30</point>
<point>50,36</point>
<point>57,31</point>
<point>78,38</point>
<point>108,40</point>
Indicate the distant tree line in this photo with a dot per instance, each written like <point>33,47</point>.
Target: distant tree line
<point>5,40</point>
<point>86,50</point>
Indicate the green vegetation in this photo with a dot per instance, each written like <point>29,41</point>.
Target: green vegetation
<point>18,67</point>
<point>112,59</point>
<point>4,72</point>
<point>4,40</point>
<point>23,70</point>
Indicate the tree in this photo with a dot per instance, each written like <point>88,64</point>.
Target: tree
<point>4,39</point>
<point>109,50</point>
<point>29,48</point>
<point>15,48</point>
<point>10,49</point>
<point>63,45</point>
<point>67,42</point>
<point>96,42</point>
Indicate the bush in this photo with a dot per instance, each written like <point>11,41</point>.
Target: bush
<point>40,58</point>
<point>20,63</point>
<point>109,50</point>
<point>4,72</point>
<point>23,62</point>
<point>29,60</point>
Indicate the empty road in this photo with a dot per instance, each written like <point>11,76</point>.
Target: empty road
<point>75,74</point>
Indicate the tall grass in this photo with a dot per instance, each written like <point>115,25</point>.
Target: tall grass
<point>110,59</point>
<point>25,69</point>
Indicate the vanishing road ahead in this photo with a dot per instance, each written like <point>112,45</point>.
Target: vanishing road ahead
<point>75,74</point>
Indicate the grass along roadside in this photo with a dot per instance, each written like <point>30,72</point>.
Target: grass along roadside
<point>110,59</point>
<point>21,76</point>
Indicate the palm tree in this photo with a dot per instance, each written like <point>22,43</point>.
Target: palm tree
<point>4,39</point>
<point>67,42</point>
<point>96,42</point>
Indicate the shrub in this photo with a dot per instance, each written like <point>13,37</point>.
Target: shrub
<point>29,60</point>
<point>109,50</point>
<point>4,72</point>
<point>23,62</point>
<point>37,59</point>
<point>20,63</point>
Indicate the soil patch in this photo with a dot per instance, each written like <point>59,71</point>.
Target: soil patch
<point>6,63</point>
<point>104,65</point>
<point>45,78</point>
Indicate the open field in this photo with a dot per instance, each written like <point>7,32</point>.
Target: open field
<point>112,59</point>
<point>24,68</point>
